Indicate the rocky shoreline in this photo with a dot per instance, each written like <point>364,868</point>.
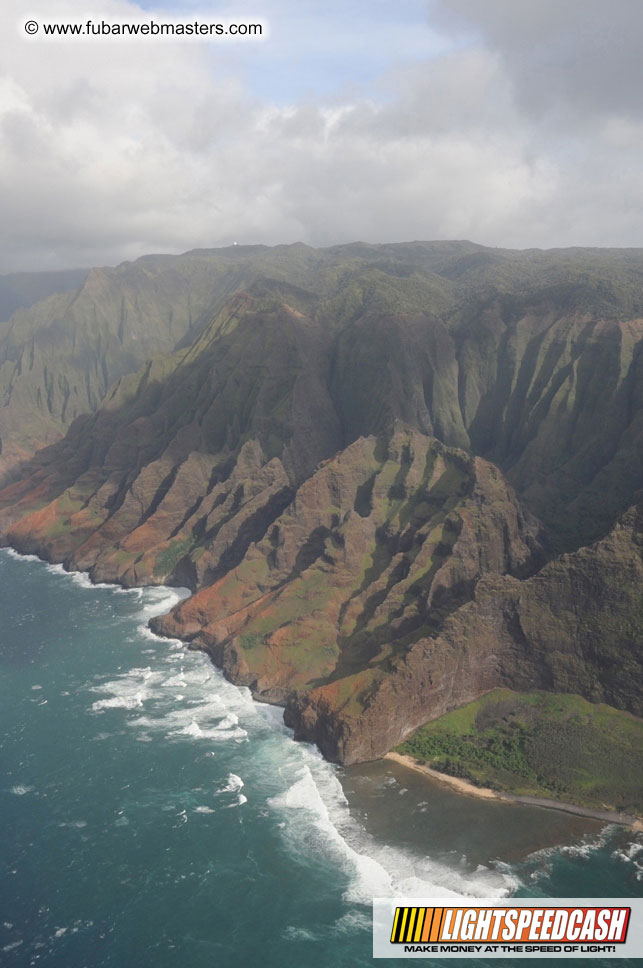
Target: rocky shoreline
<point>235,675</point>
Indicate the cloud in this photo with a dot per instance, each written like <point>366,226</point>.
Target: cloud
<point>490,128</point>
<point>579,60</point>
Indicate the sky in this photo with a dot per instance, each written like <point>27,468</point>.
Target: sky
<point>513,124</point>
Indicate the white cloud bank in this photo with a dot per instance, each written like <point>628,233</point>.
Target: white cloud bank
<point>507,137</point>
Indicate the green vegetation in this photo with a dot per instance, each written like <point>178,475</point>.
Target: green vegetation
<point>539,744</point>
<point>450,334</point>
<point>167,560</point>
<point>314,426</point>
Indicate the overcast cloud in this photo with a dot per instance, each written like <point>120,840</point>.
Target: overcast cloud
<point>508,123</point>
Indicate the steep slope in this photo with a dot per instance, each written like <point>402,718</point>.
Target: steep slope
<point>558,404</point>
<point>377,547</point>
<point>338,457</point>
<point>530,359</point>
<point>22,289</point>
<point>576,627</point>
<point>551,394</point>
<point>59,357</point>
<point>182,449</point>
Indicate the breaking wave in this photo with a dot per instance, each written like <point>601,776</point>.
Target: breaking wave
<point>319,819</point>
<point>182,698</point>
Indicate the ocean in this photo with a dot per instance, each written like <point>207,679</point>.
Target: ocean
<point>154,815</point>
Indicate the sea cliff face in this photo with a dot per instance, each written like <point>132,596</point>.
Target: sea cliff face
<point>576,626</point>
<point>393,477</point>
<point>377,546</point>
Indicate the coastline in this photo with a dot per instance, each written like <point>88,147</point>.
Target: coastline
<point>485,793</point>
<point>458,784</point>
<point>368,836</point>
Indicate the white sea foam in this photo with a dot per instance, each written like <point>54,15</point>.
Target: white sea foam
<point>354,920</point>
<point>631,853</point>
<point>318,818</point>
<point>56,569</point>
<point>292,933</point>
<point>312,801</point>
<point>129,691</point>
<point>589,844</point>
<point>217,733</point>
<point>151,636</point>
<point>159,600</point>
<point>19,790</point>
<point>16,554</point>
<point>199,711</point>
<point>178,680</point>
<point>273,715</point>
<point>234,784</point>
<point>156,599</point>
<point>119,702</point>
<point>313,811</point>
<point>82,579</point>
<point>194,717</point>
<point>583,849</point>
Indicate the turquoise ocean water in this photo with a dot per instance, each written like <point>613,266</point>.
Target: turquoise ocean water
<point>154,815</point>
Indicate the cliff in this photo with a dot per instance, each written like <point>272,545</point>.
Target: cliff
<point>576,626</point>
<point>394,477</point>
<point>377,546</point>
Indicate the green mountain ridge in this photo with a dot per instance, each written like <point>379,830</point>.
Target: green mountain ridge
<point>22,289</point>
<point>393,476</point>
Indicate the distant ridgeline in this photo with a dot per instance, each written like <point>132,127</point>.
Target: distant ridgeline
<point>21,289</point>
<point>395,477</point>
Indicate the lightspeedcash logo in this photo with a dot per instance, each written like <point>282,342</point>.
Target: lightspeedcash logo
<point>541,925</point>
<point>560,927</point>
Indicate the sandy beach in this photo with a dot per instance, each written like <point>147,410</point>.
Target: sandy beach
<point>485,793</point>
